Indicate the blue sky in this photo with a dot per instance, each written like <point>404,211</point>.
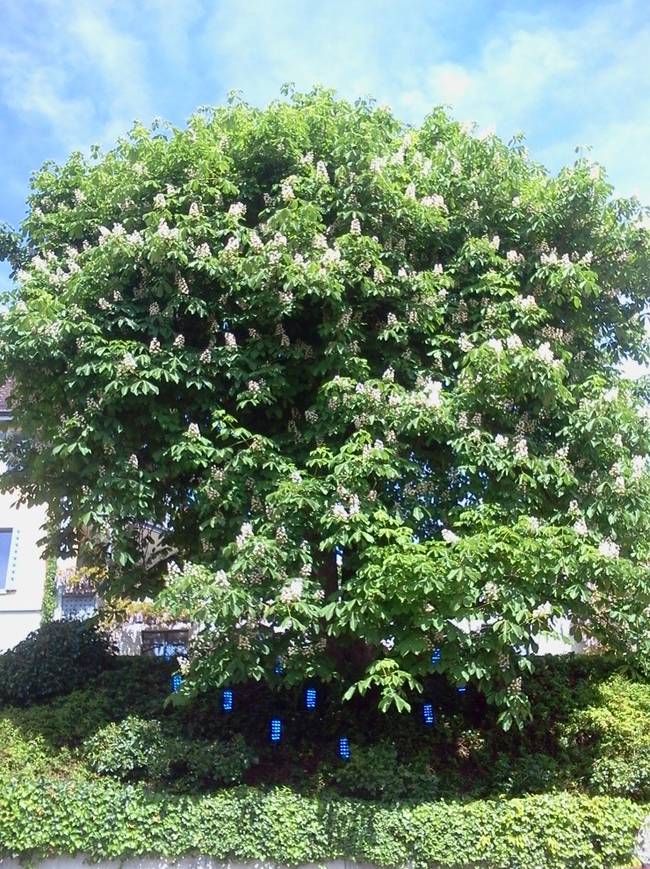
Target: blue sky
<point>77,72</point>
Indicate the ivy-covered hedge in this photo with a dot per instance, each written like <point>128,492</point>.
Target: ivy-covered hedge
<point>40,817</point>
<point>48,605</point>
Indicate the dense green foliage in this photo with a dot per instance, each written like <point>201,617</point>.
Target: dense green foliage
<point>138,749</point>
<point>111,770</point>
<point>365,381</point>
<point>53,660</point>
<point>590,734</point>
<point>49,816</point>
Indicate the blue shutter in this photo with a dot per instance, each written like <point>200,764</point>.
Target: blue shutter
<point>12,564</point>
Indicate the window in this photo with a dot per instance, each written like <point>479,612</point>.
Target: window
<point>78,606</point>
<point>165,644</point>
<point>5,556</point>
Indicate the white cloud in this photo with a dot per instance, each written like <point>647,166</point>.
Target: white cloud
<point>77,72</point>
<point>40,90</point>
<point>561,85</point>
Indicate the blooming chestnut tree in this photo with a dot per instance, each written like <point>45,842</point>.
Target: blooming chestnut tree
<point>362,380</point>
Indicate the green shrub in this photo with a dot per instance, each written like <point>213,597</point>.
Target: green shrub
<point>627,776</point>
<point>617,720</point>
<point>136,749</point>
<point>54,659</point>
<point>106,819</point>
<point>131,686</point>
<point>376,773</point>
<point>200,763</point>
<point>133,749</point>
<point>530,774</point>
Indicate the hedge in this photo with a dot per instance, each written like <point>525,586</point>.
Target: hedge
<point>102,819</point>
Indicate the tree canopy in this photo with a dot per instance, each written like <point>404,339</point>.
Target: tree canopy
<point>363,379</point>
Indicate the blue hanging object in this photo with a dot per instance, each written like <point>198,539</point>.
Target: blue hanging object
<point>436,656</point>
<point>344,748</point>
<point>278,668</point>
<point>462,689</point>
<point>226,700</point>
<point>177,681</point>
<point>275,733</point>
<point>311,698</point>
<point>428,714</point>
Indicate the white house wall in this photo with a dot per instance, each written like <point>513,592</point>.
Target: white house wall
<point>20,606</point>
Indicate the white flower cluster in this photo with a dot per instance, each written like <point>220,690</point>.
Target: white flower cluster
<point>193,430</point>
<point>353,508</point>
<point>431,394</point>
<point>521,449</point>
<point>293,592</point>
<point>286,191</point>
<point>543,611</point>
<point>105,235</point>
<point>321,172</point>
<point>465,343</point>
<point>355,226</point>
<point>580,527</point>
<point>545,354</point>
<point>179,342</point>
<point>255,241</point>
<point>435,200</point>
<point>639,466</point>
<point>203,251</point>
<point>552,259</point>
<point>221,579</point>
<point>237,209</point>
<point>245,533</point>
<point>609,549</point>
<point>231,341</point>
<point>232,246</point>
<point>524,303</point>
<point>166,232</point>
<point>331,257</point>
<point>449,536</point>
<point>128,363</point>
